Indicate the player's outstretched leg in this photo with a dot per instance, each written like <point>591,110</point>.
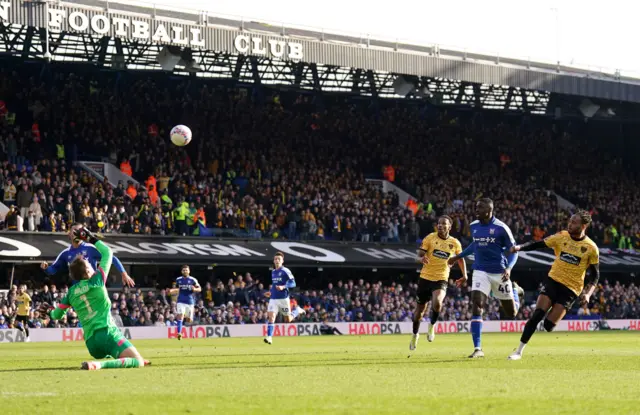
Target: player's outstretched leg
<point>128,358</point>
<point>529,329</point>
<point>21,325</point>
<point>24,324</point>
<point>271,317</point>
<point>297,311</point>
<point>510,299</point>
<point>437,297</point>
<point>417,318</point>
<point>120,363</point>
<point>179,319</point>
<point>479,299</point>
<point>518,295</point>
<point>542,305</point>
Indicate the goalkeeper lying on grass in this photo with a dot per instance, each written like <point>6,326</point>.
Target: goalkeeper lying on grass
<point>91,302</point>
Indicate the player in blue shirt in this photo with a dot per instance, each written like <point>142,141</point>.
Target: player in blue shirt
<point>87,251</point>
<point>281,280</point>
<point>187,287</point>
<point>492,240</point>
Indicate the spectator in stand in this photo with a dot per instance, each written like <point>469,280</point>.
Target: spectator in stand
<point>45,296</point>
<point>12,219</point>
<point>24,199</point>
<point>242,302</point>
<point>269,166</point>
<point>9,191</point>
<point>34,215</point>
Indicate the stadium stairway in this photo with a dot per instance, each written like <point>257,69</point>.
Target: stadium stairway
<point>387,186</point>
<point>101,170</point>
<point>4,209</point>
<point>404,197</point>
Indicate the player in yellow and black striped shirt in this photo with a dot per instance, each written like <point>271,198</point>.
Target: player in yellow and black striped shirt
<point>575,254</point>
<point>435,251</point>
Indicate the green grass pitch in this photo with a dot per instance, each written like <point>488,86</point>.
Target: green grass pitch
<point>561,373</point>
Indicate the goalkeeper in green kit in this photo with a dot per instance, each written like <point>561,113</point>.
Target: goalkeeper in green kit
<point>90,300</point>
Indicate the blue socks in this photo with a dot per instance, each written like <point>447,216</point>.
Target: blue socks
<point>476,331</point>
<point>270,328</point>
<point>179,326</point>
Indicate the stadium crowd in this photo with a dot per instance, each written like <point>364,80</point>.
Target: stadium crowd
<point>279,164</point>
<point>242,301</point>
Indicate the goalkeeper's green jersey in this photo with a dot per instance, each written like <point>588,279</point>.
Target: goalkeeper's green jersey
<point>89,298</point>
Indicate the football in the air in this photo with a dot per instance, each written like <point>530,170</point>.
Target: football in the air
<point>180,135</point>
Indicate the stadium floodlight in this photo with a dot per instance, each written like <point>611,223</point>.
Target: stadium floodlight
<point>588,108</point>
<point>167,58</point>
<point>402,86</point>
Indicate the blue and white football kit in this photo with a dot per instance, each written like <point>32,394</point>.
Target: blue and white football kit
<point>186,296</point>
<point>279,301</point>
<point>490,247</point>
<point>87,251</point>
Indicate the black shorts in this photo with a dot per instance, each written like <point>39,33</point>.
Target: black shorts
<point>426,289</point>
<point>22,319</point>
<point>558,293</point>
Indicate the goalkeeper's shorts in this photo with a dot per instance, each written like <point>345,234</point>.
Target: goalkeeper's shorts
<point>107,342</point>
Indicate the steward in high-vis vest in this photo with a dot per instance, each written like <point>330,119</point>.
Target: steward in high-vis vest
<point>180,214</point>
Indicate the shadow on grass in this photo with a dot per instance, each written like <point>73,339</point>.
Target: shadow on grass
<point>39,369</point>
<point>313,363</point>
<point>268,365</point>
<point>252,355</point>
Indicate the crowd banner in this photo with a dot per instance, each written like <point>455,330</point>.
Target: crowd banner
<point>26,246</point>
<point>313,329</point>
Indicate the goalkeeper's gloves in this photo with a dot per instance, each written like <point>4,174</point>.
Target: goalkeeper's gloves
<point>45,308</point>
<point>84,234</point>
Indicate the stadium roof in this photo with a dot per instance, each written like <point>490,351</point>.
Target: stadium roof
<point>139,26</point>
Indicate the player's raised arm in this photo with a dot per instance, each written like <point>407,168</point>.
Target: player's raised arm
<point>548,242</point>
<point>58,312</point>
<point>55,267</point>
<point>106,260</point>
<point>106,254</point>
<point>118,265</point>
<point>463,269</point>
<point>529,246</point>
<point>470,249</point>
<point>126,279</point>
<point>467,251</point>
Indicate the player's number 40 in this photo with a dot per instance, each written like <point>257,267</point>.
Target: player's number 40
<point>504,288</point>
